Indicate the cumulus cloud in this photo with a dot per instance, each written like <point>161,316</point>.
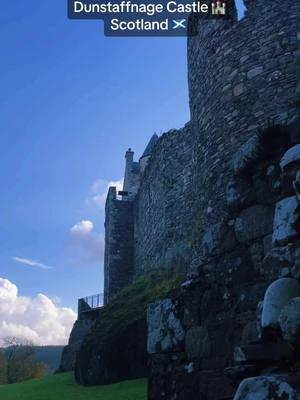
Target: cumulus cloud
<point>90,243</point>
<point>99,191</point>
<point>31,263</point>
<point>35,319</point>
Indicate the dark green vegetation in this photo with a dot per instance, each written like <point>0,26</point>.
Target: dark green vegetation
<point>62,386</point>
<point>131,303</point>
<point>115,348</point>
<point>18,363</point>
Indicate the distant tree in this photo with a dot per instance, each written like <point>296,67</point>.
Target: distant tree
<point>40,370</point>
<point>3,368</point>
<point>21,364</point>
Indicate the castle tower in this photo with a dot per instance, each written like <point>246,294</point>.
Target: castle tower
<point>119,225</point>
<point>132,174</point>
<point>118,257</point>
<point>239,81</point>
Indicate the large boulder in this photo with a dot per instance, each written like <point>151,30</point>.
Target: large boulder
<point>218,239</point>
<point>165,331</point>
<point>289,321</point>
<point>291,157</point>
<point>246,156</point>
<point>277,296</point>
<point>286,221</point>
<point>265,388</point>
<point>290,164</point>
<point>253,223</point>
<point>239,194</point>
<point>296,184</point>
<point>279,259</point>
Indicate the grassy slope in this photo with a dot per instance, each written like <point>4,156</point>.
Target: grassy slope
<point>116,320</point>
<point>62,386</point>
<point>130,305</point>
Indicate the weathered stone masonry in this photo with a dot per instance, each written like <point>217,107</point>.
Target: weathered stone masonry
<point>243,75</point>
<point>163,206</point>
<point>118,244</point>
<point>158,196</point>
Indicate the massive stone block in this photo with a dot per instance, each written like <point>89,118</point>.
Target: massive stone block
<point>218,239</point>
<point>286,221</point>
<point>265,388</point>
<point>289,320</point>
<point>292,156</point>
<point>165,331</point>
<point>290,167</point>
<point>277,296</point>
<point>254,222</point>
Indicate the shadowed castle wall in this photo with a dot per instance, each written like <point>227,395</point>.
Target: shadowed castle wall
<point>163,207</point>
<point>242,74</point>
<point>118,258</point>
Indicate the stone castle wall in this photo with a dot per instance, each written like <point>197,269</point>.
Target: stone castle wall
<point>222,326</point>
<point>118,258</point>
<point>242,74</point>
<point>163,206</point>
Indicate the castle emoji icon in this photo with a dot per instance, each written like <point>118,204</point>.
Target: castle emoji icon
<point>218,7</point>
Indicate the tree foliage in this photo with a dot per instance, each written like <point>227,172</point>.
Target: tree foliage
<point>17,362</point>
<point>3,368</point>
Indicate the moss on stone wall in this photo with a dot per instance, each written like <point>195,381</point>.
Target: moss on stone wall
<point>115,347</point>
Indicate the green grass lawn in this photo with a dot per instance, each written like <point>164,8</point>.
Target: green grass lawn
<point>63,387</point>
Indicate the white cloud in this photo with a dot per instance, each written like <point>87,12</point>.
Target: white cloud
<point>83,228</point>
<point>35,319</point>
<point>99,191</point>
<point>90,243</point>
<point>31,263</point>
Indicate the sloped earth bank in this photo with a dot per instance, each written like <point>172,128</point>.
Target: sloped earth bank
<point>115,347</point>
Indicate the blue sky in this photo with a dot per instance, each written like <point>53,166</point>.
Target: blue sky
<point>72,101</point>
